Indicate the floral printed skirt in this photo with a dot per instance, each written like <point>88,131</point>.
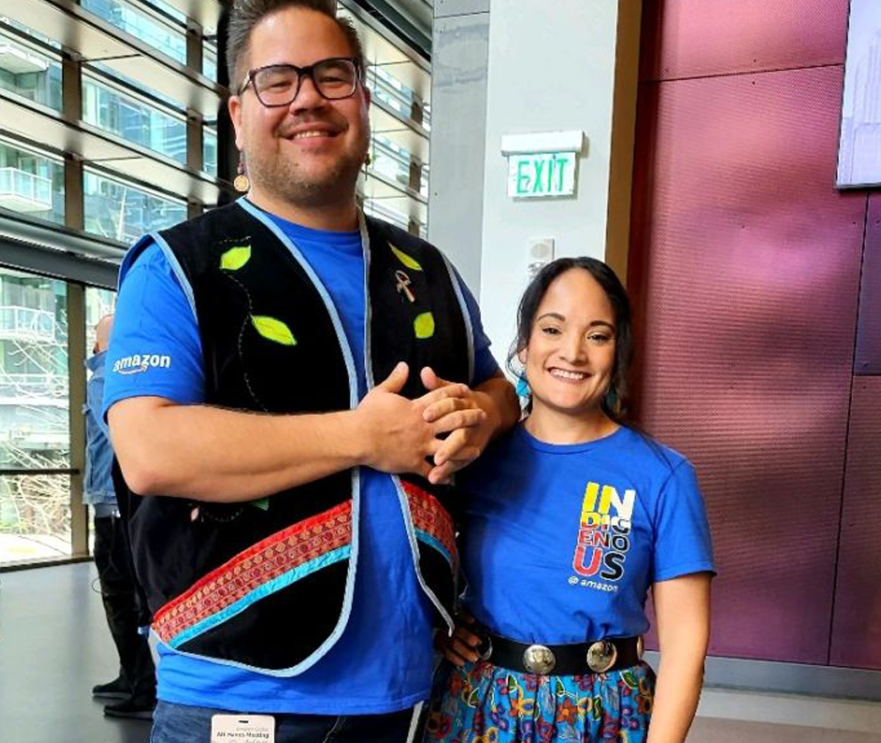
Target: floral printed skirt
<point>481,703</point>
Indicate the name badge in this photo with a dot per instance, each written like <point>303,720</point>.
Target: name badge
<point>242,729</point>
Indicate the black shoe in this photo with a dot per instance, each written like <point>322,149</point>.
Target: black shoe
<point>133,708</point>
<point>116,689</point>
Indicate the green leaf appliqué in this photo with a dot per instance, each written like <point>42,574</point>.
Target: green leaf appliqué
<point>262,504</point>
<point>274,330</point>
<point>234,258</point>
<point>409,262</point>
<point>424,325</point>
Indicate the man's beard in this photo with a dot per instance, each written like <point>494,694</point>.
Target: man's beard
<point>282,177</point>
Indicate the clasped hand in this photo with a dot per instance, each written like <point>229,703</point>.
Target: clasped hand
<point>463,646</point>
<point>403,435</point>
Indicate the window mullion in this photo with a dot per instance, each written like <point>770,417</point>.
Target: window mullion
<point>76,357</point>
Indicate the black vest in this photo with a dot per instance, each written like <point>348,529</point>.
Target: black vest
<point>268,585</point>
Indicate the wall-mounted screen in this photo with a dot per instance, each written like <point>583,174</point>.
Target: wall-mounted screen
<point>859,150</point>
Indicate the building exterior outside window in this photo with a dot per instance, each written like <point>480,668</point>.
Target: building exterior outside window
<point>209,61</point>
<point>209,150</point>
<point>138,122</point>
<point>34,427</point>
<point>391,91</point>
<point>391,160</point>
<point>148,27</point>
<point>28,72</point>
<point>400,122</point>
<point>124,212</point>
<point>31,183</point>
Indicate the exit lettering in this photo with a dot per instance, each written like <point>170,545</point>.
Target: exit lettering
<point>541,174</point>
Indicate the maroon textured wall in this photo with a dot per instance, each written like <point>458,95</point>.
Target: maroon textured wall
<point>868,358</point>
<point>746,263</point>
<point>856,639</point>
<point>699,38</point>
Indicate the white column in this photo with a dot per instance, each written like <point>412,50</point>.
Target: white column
<point>458,132</point>
<point>552,67</point>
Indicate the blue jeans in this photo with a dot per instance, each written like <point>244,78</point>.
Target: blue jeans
<point>178,723</point>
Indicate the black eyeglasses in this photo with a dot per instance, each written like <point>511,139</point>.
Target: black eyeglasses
<point>277,85</point>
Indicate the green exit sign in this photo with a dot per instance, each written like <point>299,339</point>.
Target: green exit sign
<point>541,174</point>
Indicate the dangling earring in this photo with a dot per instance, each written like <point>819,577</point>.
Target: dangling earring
<point>368,159</point>
<point>242,183</point>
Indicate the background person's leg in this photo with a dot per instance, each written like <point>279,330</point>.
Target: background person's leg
<point>121,604</point>
<point>120,687</point>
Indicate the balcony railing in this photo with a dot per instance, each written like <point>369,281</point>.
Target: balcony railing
<point>27,324</point>
<point>18,61</point>
<point>24,192</point>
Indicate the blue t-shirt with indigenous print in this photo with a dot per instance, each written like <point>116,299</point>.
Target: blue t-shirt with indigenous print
<point>383,660</point>
<point>561,542</point>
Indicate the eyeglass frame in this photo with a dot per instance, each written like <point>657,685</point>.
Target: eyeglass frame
<point>305,71</point>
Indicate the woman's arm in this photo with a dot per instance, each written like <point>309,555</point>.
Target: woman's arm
<point>682,610</point>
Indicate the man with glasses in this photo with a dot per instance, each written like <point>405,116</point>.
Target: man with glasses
<point>291,385</point>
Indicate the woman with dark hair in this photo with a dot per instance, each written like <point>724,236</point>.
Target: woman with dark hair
<point>569,520</point>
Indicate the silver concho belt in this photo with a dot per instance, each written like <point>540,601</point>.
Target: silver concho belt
<point>599,656</point>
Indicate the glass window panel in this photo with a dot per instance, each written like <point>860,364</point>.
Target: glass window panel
<point>34,426</point>
<point>34,517</point>
<point>114,74</point>
<point>29,73</point>
<point>169,10</point>
<point>391,91</point>
<point>31,183</point>
<point>209,61</point>
<point>423,181</point>
<point>148,28</point>
<point>209,150</point>
<point>99,302</point>
<point>12,23</point>
<point>391,160</point>
<point>375,208</point>
<point>134,120</point>
<point>123,212</point>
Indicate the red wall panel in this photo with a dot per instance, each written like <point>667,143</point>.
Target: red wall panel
<point>693,38</point>
<point>868,357</point>
<point>856,637</point>
<point>751,262</point>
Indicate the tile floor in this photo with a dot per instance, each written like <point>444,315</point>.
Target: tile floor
<point>54,645</point>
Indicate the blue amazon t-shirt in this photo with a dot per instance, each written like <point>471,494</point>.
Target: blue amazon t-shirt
<point>561,542</point>
<point>383,660</point>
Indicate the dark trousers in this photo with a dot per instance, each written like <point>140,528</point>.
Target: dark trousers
<point>122,606</point>
<point>177,723</point>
